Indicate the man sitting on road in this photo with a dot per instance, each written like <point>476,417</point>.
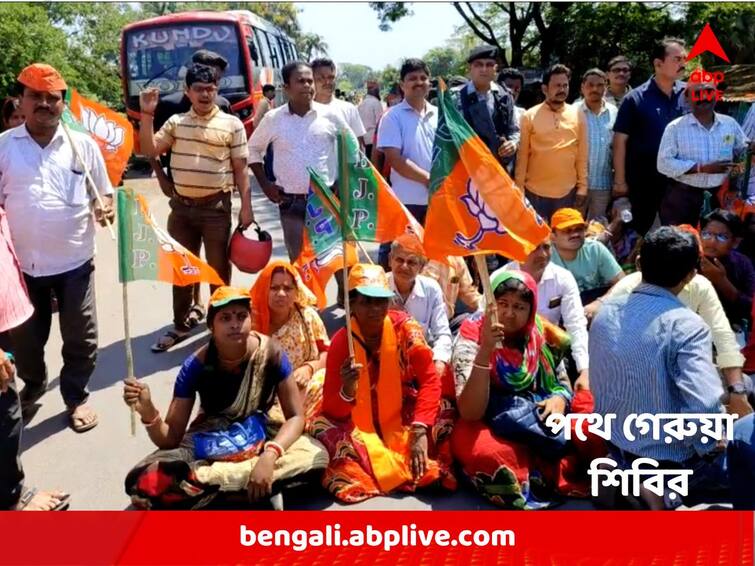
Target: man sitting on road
<point>459,290</point>
<point>651,354</point>
<point>420,296</point>
<point>588,260</point>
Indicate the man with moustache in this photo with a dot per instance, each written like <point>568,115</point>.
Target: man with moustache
<point>600,116</point>
<point>696,153</point>
<point>551,166</point>
<point>487,107</point>
<point>303,134</point>
<point>49,206</point>
<point>643,116</point>
<point>406,135</point>
<point>325,74</point>
<point>208,160</point>
<point>588,260</point>
<point>619,73</point>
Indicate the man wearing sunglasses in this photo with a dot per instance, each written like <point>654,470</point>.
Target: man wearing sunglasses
<point>619,73</point>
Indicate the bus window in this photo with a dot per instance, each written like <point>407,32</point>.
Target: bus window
<point>264,50</point>
<point>283,45</point>
<point>253,53</point>
<point>275,59</point>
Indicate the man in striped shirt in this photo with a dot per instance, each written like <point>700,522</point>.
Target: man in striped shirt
<point>651,354</point>
<point>208,159</point>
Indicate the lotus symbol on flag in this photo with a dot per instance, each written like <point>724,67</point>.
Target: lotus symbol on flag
<point>486,219</point>
<point>108,131</point>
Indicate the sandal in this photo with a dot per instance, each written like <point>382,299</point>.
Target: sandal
<point>64,501</point>
<point>173,339</point>
<point>196,315</point>
<point>82,425</point>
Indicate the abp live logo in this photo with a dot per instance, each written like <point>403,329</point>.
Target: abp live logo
<point>707,41</point>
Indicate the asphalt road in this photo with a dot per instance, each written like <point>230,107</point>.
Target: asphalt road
<point>91,466</point>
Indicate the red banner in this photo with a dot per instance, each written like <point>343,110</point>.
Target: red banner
<point>555,538</point>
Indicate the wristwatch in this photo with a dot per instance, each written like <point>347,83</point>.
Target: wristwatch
<point>737,389</point>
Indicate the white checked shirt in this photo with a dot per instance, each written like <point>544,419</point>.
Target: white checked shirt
<point>45,196</point>
<point>558,300</point>
<point>686,142</point>
<point>426,305</point>
<point>299,142</point>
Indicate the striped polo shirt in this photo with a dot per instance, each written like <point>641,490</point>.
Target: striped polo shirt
<point>202,148</point>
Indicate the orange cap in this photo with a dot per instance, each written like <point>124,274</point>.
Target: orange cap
<point>369,280</point>
<point>224,295</point>
<point>42,77</point>
<point>565,218</point>
<point>411,244</point>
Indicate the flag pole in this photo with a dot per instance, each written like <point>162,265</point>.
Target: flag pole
<point>487,289</point>
<point>88,175</point>
<point>344,229</point>
<point>129,351</point>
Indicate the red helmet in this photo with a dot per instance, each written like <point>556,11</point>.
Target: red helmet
<point>248,255</point>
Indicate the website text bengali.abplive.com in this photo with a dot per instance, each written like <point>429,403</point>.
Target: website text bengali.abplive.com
<point>368,536</point>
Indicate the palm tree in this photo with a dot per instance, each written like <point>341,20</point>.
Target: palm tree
<point>311,45</point>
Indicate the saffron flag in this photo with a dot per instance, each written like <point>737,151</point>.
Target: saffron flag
<point>146,251</point>
<point>474,206</point>
<point>372,210</point>
<point>322,243</point>
<point>113,132</point>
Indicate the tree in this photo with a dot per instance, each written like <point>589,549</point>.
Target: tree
<point>356,75</point>
<point>444,62</point>
<point>389,77</point>
<point>390,12</point>
<point>311,46</point>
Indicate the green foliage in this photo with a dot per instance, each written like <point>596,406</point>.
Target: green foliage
<point>355,75</point>
<point>310,46</point>
<point>390,12</point>
<point>445,62</point>
<point>82,39</point>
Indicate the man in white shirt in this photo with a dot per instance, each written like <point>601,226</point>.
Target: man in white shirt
<point>558,301</point>
<point>697,152</point>
<point>421,297</point>
<point>324,71</point>
<point>303,134</point>
<point>49,206</point>
<point>370,111</point>
<point>406,135</point>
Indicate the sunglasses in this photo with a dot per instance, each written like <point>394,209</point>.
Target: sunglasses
<point>723,238</point>
<point>621,70</point>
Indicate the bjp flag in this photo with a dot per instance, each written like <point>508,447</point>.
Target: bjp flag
<point>474,206</point>
<point>146,251</point>
<point>113,132</point>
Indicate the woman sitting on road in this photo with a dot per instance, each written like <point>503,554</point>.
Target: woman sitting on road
<point>505,394</point>
<point>381,421</point>
<point>283,308</point>
<point>237,376</point>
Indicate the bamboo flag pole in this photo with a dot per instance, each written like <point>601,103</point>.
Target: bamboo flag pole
<point>344,229</point>
<point>88,175</point>
<point>487,289</point>
<point>129,351</point>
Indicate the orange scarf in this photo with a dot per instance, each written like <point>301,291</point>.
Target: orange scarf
<point>389,455</point>
<point>260,294</point>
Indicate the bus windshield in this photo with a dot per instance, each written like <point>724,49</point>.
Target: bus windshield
<point>160,56</point>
